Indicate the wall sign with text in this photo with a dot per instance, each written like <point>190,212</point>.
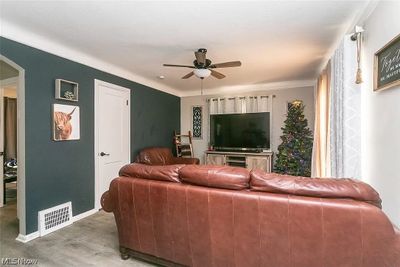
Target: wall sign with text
<point>387,65</point>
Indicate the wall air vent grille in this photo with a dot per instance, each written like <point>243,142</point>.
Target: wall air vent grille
<point>55,218</point>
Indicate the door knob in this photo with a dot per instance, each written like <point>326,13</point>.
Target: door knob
<point>104,154</point>
<point>1,153</point>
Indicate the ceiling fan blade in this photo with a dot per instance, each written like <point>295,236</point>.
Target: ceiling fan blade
<point>200,57</point>
<point>226,64</point>
<point>181,66</point>
<point>217,74</point>
<point>190,74</point>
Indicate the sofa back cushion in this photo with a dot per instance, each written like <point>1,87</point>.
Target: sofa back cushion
<point>168,173</point>
<point>155,156</point>
<point>316,187</point>
<point>215,176</point>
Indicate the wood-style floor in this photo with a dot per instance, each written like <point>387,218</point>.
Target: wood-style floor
<point>91,241</point>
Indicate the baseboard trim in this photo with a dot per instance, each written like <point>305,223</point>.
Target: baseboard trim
<point>27,238</point>
<point>84,215</point>
<point>34,235</point>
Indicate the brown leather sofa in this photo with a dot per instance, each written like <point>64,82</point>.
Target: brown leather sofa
<point>192,215</point>
<point>162,156</point>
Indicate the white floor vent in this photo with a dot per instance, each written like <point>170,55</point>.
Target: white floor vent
<point>55,218</point>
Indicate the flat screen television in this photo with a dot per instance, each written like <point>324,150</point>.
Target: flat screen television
<point>237,132</point>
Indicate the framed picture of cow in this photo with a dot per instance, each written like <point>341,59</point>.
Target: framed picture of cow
<point>66,122</point>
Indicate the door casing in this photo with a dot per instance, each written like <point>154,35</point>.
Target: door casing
<point>21,203</point>
<point>1,145</point>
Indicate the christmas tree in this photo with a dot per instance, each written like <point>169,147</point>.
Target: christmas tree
<point>294,153</point>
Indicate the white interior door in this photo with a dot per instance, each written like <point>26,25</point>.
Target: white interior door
<point>112,117</point>
<point>1,146</point>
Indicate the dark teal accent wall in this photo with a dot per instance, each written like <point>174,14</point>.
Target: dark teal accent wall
<point>57,172</point>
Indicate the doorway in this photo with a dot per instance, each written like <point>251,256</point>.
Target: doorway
<point>8,136</point>
<point>112,134</point>
<point>12,145</point>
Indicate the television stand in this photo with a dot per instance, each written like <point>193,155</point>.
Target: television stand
<point>255,150</point>
<point>248,160</point>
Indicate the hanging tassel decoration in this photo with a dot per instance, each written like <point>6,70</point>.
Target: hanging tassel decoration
<point>359,76</point>
<point>359,72</point>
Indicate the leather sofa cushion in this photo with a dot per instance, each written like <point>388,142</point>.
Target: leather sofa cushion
<point>162,156</point>
<point>155,156</point>
<point>161,173</point>
<point>316,187</point>
<point>215,176</point>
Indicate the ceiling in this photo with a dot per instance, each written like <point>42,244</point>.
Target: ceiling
<point>6,71</point>
<point>276,41</point>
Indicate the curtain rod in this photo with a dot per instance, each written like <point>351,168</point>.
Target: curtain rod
<point>239,97</point>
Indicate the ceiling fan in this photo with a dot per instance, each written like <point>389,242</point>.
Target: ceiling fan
<point>203,66</point>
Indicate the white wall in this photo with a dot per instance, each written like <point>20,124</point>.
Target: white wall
<point>278,113</point>
<point>380,115</point>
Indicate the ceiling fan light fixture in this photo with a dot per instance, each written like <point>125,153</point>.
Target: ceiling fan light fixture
<point>202,73</point>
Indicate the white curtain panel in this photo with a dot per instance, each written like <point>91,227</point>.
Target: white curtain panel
<point>230,105</point>
<point>222,105</point>
<point>240,104</point>
<point>213,106</point>
<point>336,113</point>
<point>264,103</point>
<point>345,108</point>
<point>251,104</point>
<point>352,112</point>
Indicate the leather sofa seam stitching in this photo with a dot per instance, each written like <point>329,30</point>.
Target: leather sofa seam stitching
<point>134,208</point>
<point>259,229</point>
<point>169,225</point>
<point>362,234</point>
<point>152,220</point>
<point>188,227</point>
<point>323,231</point>
<point>209,228</point>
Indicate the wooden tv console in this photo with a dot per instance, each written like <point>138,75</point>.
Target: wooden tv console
<point>262,160</point>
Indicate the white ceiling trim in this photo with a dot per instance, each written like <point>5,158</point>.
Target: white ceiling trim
<point>364,11</point>
<point>252,88</point>
<point>9,81</point>
<point>15,33</point>
<point>363,14</point>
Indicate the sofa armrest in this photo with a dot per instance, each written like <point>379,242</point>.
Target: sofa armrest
<point>186,161</point>
<point>107,202</point>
